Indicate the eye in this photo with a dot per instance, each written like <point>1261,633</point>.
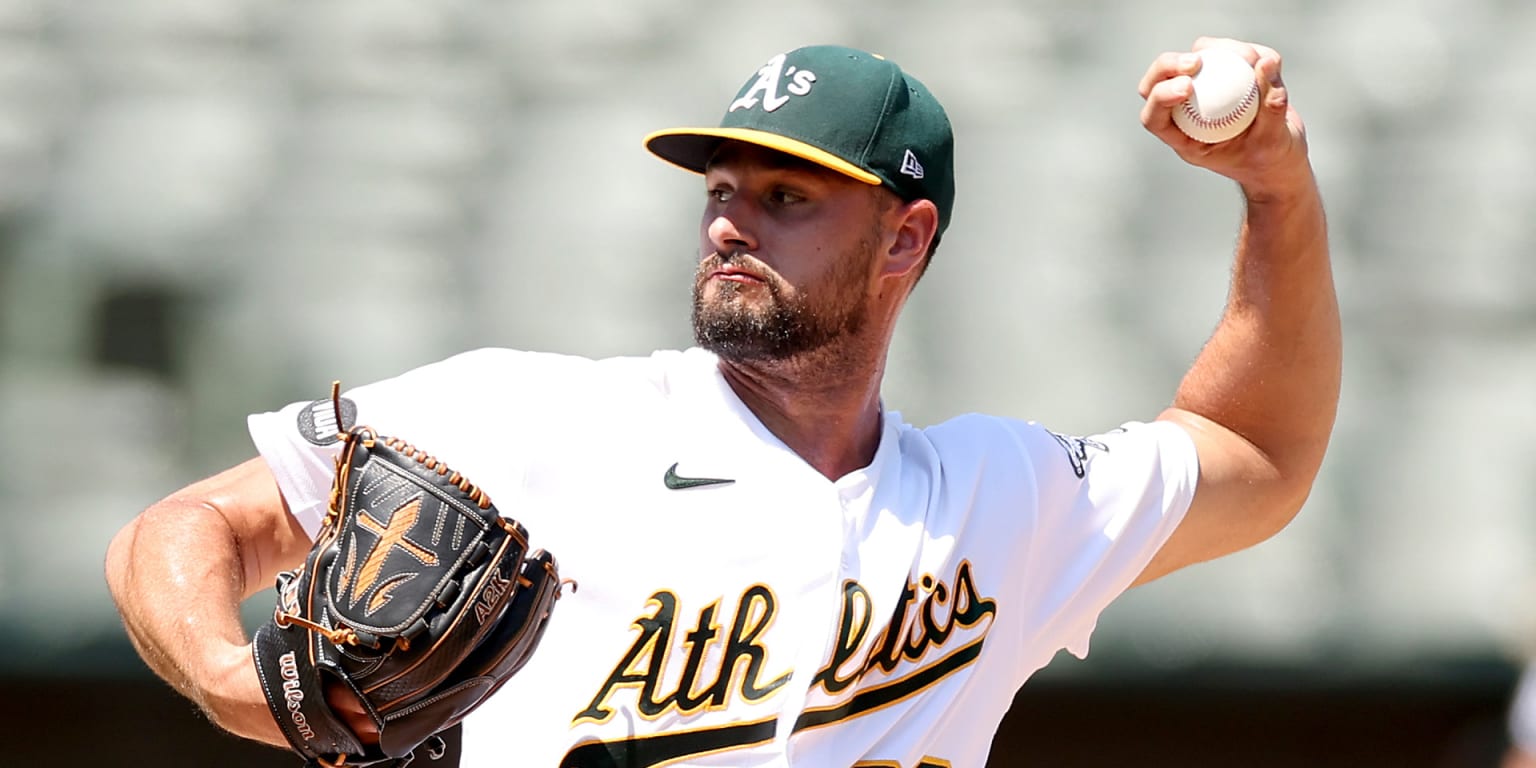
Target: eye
<point>720,194</point>
<point>785,196</point>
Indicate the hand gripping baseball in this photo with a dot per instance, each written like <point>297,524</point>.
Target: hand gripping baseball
<point>1269,156</point>
<point>417,597</point>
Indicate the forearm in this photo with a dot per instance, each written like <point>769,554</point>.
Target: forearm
<point>177,577</point>
<point>1271,370</point>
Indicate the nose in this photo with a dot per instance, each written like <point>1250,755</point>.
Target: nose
<point>729,228</point>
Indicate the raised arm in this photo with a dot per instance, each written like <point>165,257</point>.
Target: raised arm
<point>179,571</point>
<point>1261,397</point>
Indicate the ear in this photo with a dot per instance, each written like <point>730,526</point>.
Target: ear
<point>915,225</point>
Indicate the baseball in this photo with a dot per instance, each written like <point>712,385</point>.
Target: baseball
<point>1223,101</point>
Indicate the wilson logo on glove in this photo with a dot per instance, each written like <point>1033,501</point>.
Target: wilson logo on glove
<point>292,695</point>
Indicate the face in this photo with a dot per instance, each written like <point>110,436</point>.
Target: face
<point>788,254</point>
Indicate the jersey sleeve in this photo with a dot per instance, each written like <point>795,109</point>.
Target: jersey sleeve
<point>1066,523</point>
<point>303,469</point>
<point>442,407</point>
<point>1105,505</point>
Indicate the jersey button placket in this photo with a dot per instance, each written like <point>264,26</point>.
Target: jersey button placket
<point>830,542</point>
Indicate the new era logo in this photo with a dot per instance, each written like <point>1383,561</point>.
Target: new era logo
<point>910,166</point>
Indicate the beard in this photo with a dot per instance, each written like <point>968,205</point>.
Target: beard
<point>741,327</point>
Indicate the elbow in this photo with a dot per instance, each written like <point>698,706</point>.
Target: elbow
<point>160,535</point>
<point>1301,468</point>
<point>1283,510</point>
<point>1287,497</point>
<point>118,559</point>
<point>1291,465</point>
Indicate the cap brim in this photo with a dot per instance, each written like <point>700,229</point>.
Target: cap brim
<point>691,149</point>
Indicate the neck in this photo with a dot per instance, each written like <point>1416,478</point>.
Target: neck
<point>824,405</point>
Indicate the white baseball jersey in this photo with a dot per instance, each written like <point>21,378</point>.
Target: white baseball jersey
<point>737,608</point>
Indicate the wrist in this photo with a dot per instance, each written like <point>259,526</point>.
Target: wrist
<point>232,698</point>
<point>1279,186</point>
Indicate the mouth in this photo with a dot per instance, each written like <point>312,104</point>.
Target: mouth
<point>735,275</point>
<point>732,270</point>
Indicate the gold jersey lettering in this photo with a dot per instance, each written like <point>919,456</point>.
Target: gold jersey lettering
<point>911,635</point>
<point>740,668</point>
<point>916,627</point>
<point>852,627</point>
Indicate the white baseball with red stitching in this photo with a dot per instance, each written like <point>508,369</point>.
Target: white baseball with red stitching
<point>1223,101</point>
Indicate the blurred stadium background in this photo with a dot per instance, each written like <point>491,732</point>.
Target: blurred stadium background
<point>198,200</point>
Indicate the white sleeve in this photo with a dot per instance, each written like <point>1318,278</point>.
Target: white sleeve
<point>442,406</point>
<point>303,469</point>
<point>1106,505</point>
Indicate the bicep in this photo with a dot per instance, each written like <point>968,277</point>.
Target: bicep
<point>246,497</point>
<point>1241,498</point>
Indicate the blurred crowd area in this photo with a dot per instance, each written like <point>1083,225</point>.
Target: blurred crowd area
<point>213,208</point>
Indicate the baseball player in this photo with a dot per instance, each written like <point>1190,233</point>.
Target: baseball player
<point>773,567</point>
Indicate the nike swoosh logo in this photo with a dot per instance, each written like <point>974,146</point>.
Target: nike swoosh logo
<point>677,482</point>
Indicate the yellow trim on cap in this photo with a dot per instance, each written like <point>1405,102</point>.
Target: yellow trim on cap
<point>772,141</point>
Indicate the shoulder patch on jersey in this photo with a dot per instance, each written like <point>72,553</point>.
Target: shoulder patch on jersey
<point>317,421</point>
<point>1077,450</point>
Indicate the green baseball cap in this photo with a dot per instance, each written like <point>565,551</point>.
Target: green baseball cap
<point>842,108</point>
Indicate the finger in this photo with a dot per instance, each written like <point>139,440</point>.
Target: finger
<point>1273,121</point>
<point>1157,111</point>
<point>1272,92</point>
<point>1181,144</point>
<point>349,709</point>
<point>1265,52</point>
<point>1269,69</point>
<point>1166,66</point>
<point>1169,94</point>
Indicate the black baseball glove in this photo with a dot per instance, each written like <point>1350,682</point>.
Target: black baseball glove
<point>418,597</point>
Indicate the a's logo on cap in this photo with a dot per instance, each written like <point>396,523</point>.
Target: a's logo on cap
<point>910,166</point>
<point>767,85</point>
